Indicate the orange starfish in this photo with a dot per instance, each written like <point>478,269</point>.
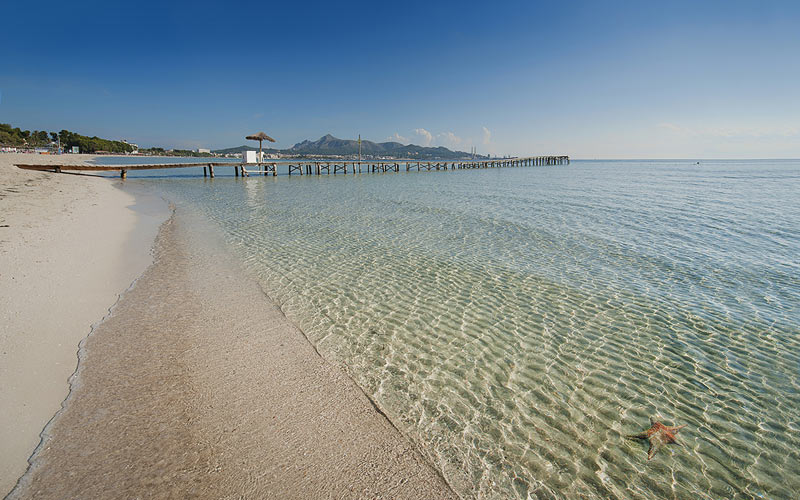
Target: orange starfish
<point>658,435</point>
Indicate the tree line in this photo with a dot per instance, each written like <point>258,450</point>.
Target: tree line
<point>10,136</point>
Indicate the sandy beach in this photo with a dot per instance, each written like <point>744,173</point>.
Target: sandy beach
<point>69,245</point>
<point>195,385</point>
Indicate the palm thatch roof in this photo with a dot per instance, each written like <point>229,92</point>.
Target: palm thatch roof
<point>261,136</point>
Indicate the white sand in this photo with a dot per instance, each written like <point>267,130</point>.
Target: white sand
<point>197,386</point>
<point>72,245</point>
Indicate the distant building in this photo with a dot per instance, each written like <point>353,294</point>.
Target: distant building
<point>203,150</point>
<point>250,156</point>
<point>135,150</point>
<point>134,146</point>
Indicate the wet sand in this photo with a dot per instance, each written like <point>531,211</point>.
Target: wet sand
<point>197,386</point>
<point>69,245</point>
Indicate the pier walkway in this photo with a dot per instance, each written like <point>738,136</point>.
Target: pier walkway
<point>317,167</point>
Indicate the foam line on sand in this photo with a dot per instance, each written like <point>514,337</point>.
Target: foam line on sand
<point>198,386</point>
<point>69,245</point>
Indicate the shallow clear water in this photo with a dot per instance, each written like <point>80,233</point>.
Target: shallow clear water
<point>518,323</point>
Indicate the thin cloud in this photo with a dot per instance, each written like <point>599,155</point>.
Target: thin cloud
<point>449,139</point>
<point>487,135</point>
<point>673,128</point>
<point>398,138</point>
<point>426,136</point>
<point>731,132</point>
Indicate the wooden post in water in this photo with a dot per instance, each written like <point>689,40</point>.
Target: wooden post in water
<point>318,166</point>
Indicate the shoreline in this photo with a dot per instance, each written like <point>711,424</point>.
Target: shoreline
<point>69,246</point>
<point>194,412</point>
<point>229,399</point>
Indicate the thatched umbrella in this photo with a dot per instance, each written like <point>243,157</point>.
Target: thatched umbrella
<point>261,136</point>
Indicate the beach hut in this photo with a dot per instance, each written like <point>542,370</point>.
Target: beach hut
<point>261,136</point>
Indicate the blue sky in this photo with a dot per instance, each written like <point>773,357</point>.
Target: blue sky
<point>588,79</point>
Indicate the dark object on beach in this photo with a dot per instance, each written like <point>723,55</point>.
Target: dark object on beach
<point>261,136</point>
<point>658,435</point>
<point>5,225</point>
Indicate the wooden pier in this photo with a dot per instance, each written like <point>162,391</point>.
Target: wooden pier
<point>317,167</point>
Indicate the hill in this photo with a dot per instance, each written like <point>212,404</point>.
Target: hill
<point>239,149</point>
<point>329,145</point>
<point>39,138</point>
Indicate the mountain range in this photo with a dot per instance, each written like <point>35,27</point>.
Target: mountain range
<point>329,145</point>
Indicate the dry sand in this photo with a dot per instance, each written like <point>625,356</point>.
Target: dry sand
<point>197,386</point>
<point>69,245</point>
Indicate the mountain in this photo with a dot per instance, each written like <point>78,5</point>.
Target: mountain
<point>240,149</point>
<point>329,145</point>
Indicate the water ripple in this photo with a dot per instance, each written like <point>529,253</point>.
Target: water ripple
<point>519,323</point>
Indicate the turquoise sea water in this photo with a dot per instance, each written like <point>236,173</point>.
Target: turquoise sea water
<point>518,323</point>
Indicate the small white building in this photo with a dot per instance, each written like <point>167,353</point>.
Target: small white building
<point>135,147</point>
<point>203,150</point>
<point>250,156</point>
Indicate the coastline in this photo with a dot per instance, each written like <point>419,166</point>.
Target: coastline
<point>69,246</point>
<point>189,380</point>
<point>229,399</point>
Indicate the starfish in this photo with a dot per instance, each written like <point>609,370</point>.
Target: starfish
<point>658,435</point>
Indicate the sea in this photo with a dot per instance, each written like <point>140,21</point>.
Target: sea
<point>518,324</point>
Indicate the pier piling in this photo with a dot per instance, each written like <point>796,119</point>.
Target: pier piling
<point>316,167</point>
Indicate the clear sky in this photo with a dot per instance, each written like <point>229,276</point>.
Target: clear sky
<point>597,79</point>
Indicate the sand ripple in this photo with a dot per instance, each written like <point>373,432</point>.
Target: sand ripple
<point>519,323</point>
